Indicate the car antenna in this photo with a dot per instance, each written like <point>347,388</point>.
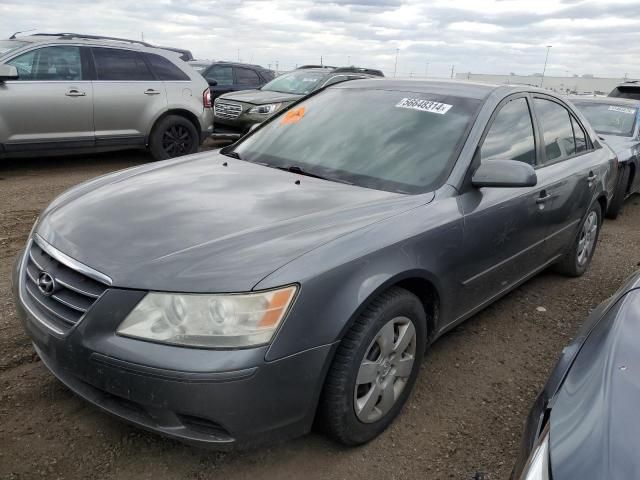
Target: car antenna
<point>13,37</point>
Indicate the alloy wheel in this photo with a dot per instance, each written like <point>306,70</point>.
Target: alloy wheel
<point>587,239</point>
<point>385,369</point>
<point>177,141</point>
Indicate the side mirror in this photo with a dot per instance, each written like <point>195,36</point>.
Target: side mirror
<point>8,72</point>
<point>505,174</point>
<point>212,82</point>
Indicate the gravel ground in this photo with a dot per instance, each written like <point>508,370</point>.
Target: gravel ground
<point>465,415</point>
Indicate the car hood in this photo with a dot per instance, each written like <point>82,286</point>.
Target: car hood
<point>624,147</point>
<point>206,223</point>
<point>594,417</point>
<point>260,97</point>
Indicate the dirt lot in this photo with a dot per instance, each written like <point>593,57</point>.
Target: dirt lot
<point>465,415</point>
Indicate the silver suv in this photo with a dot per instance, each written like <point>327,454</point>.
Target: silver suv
<point>70,93</point>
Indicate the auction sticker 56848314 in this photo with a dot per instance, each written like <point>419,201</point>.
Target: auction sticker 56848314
<point>424,105</point>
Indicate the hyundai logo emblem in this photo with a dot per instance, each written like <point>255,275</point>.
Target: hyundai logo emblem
<point>46,284</point>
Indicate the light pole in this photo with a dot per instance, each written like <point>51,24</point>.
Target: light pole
<point>545,65</point>
<point>395,67</point>
<point>348,60</point>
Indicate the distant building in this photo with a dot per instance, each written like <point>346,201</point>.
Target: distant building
<point>587,84</point>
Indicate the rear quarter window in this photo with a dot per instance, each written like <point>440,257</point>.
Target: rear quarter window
<point>164,69</point>
<point>626,92</point>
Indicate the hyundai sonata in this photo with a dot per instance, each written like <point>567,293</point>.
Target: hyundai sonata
<point>233,297</point>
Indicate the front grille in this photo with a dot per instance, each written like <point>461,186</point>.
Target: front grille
<point>227,110</point>
<point>73,294</point>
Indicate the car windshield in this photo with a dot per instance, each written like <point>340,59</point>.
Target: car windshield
<point>300,82</point>
<point>609,119</point>
<point>7,46</point>
<point>396,141</point>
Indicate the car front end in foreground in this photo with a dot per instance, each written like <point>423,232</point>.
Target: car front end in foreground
<point>584,423</point>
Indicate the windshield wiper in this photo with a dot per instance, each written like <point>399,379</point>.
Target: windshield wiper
<point>301,171</point>
<point>232,154</point>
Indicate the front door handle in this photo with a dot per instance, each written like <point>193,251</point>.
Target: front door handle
<point>74,92</point>
<point>151,91</point>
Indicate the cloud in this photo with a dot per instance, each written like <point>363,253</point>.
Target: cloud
<point>488,36</point>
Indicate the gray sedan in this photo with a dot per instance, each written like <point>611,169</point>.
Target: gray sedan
<point>234,297</point>
<point>616,120</point>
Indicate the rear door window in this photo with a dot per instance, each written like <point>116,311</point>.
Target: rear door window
<point>247,77</point>
<point>510,136</point>
<point>164,69</point>
<point>557,130</point>
<point>223,74</point>
<point>124,65</point>
<point>49,63</point>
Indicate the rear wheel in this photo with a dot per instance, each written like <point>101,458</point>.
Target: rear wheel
<point>621,191</point>
<point>576,262</point>
<point>173,136</point>
<point>374,369</point>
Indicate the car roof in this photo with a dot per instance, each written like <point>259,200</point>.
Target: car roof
<point>606,100</point>
<point>238,64</point>
<point>94,40</point>
<point>461,88</point>
<point>350,70</point>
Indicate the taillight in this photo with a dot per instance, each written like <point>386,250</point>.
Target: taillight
<point>206,98</point>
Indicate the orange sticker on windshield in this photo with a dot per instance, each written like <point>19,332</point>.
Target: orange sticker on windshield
<point>292,116</point>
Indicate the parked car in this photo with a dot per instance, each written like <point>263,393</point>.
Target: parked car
<point>299,274</point>
<point>224,77</point>
<point>585,424</point>
<point>630,89</point>
<point>616,121</point>
<point>72,93</point>
<point>235,113</point>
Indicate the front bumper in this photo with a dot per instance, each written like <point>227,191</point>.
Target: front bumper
<point>216,398</point>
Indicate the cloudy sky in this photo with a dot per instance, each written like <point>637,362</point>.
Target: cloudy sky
<point>481,36</point>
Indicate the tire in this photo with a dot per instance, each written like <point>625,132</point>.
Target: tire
<point>173,136</point>
<point>621,192</point>
<point>344,412</point>
<point>576,262</point>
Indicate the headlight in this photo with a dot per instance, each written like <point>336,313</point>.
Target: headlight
<point>214,321</point>
<point>265,109</point>
<point>537,467</point>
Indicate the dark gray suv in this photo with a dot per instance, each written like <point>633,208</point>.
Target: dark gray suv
<point>233,297</point>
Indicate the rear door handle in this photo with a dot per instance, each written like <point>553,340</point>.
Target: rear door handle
<point>151,91</point>
<point>74,92</point>
<point>543,198</point>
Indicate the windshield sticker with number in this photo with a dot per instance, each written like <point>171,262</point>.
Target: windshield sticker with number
<point>630,111</point>
<point>424,105</point>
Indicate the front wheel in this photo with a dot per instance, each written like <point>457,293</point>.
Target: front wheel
<point>173,136</point>
<point>576,262</point>
<point>374,369</point>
